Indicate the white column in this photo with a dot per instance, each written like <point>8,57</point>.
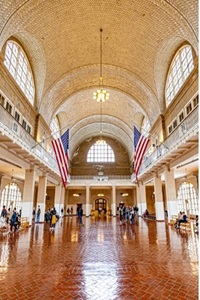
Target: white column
<point>172,207</point>
<point>87,207</point>
<point>41,196</point>
<point>28,194</point>
<point>114,205</point>
<point>141,194</point>
<point>160,216</point>
<point>57,199</point>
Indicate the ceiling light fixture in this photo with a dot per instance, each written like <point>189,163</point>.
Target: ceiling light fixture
<point>101,95</point>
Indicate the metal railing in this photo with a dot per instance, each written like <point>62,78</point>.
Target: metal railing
<point>186,129</point>
<point>13,130</point>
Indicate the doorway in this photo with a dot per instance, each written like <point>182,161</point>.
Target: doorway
<point>100,205</point>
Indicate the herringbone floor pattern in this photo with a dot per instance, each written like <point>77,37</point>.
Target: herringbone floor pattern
<point>99,261</point>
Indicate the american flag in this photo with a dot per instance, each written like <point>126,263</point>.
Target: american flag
<point>140,145</point>
<point>61,147</point>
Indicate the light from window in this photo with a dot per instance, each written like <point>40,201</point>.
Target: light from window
<point>55,128</point>
<point>145,127</point>
<point>19,67</point>
<point>100,152</point>
<point>187,199</point>
<point>182,65</point>
<point>11,197</point>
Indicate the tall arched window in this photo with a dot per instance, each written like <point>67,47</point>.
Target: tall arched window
<point>11,196</point>
<point>18,65</point>
<point>182,65</point>
<point>100,152</point>
<point>55,128</point>
<point>145,127</point>
<point>187,198</point>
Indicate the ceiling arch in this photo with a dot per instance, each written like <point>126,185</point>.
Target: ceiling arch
<point>61,39</point>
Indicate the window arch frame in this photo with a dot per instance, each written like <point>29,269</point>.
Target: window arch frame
<point>22,61</point>
<point>188,192</point>
<point>8,196</point>
<point>100,153</point>
<point>176,77</point>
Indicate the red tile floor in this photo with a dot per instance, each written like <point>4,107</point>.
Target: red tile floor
<point>99,261</point>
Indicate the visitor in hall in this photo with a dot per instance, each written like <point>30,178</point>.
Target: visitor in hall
<point>14,221</point>
<point>180,217</point>
<point>182,220</point>
<point>4,212</point>
<point>146,213</point>
<point>38,215</point>
<point>53,219</point>
<point>80,215</point>
<point>197,224</point>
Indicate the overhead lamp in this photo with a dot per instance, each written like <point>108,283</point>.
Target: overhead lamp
<point>101,95</point>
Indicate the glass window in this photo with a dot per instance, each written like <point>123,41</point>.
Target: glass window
<point>9,107</point>
<point>181,117</point>
<point>17,63</point>
<point>145,127</point>
<point>187,199</point>
<point>55,128</point>
<point>11,197</point>
<point>100,152</point>
<point>196,101</point>
<point>189,108</point>
<point>179,71</point>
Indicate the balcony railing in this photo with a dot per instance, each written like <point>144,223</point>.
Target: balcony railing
<point>12,129</point>
<point>186,129</point>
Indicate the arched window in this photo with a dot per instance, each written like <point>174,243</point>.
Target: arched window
<point>145,127</point>
<point>187,199</point>
<point>182,65</point>
<point>55,128</point>
<point>100,152</point>
<point>11,196</point>
<point>18,65</point>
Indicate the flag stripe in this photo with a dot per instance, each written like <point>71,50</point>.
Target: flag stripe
<point>140,144</point>
<point>59,158</point>
<point>60,147</point>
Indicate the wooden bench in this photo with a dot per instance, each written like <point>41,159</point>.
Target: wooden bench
<point>24,222</point>
<point>173,219</point>
<point>185,226</point>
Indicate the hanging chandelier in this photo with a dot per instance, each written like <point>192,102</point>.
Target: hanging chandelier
<point>101,95</point>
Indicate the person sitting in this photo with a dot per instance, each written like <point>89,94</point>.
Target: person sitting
<point>197,224</point>
<point>180,217</point>
<point>146,214</point>
<point>182,220</point>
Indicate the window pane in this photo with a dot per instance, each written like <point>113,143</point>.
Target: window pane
<point>18,65</point>
<point>180,69</point>
<point>100,152</point>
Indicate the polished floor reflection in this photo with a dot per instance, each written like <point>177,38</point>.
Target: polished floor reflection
<point>99,261</point>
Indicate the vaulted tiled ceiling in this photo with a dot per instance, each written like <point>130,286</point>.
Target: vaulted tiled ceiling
<point>61,39</point>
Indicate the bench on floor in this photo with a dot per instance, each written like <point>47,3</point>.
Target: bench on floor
<point>24,222</point>
<point>185,226</point>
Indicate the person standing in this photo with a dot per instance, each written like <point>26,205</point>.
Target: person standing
<point>13,221</point>
<point>80,215</point>
<point>38,215</point>
<point>4,212</point>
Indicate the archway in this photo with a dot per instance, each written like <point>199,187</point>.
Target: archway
<point>101,205</point>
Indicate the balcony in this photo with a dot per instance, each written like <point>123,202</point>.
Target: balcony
<point>181,140</point>
<point>17,140</point>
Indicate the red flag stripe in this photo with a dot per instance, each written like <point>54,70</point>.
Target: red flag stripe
<point>61,160</point>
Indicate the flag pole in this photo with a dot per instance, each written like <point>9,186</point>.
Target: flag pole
<point>38,143</point>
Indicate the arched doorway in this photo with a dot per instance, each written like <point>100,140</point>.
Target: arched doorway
<point>100,205</point>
